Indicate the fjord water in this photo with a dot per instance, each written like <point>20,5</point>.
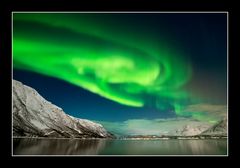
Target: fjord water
<point>34,146</point>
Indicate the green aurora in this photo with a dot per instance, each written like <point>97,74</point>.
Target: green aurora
<point>95,52</point>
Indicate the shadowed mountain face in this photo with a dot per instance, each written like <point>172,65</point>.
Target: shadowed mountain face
<point>33,116</point>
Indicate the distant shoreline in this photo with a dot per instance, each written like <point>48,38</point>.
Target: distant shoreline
<point>179,138</point>
<point>134,138</point>
<point>57,138</point>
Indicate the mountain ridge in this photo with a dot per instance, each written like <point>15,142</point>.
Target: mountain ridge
<point>33,116</point>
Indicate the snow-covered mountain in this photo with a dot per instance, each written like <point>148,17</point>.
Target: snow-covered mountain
<point>218,129</point>
<point>188,130</point>
<point>33,116</point>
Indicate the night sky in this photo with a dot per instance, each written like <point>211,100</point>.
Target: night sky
<point>116,67</point>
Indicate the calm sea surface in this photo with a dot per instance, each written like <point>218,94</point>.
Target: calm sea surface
<point>28,146</point>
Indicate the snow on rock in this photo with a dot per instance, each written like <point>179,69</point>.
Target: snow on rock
<point>35,116</point>
<point>219,128</point>
<point>192,130</point>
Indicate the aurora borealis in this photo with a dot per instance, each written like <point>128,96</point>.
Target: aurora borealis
<point>134,60</point>
<point>117,71</point>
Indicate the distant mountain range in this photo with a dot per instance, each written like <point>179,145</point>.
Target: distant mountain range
<point>191,132</point>
<point>188,130</point>
<point>33,116</point>
<point>219,129</point>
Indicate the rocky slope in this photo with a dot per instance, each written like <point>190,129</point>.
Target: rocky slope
<point>219,129</point>
<point>33,116</point>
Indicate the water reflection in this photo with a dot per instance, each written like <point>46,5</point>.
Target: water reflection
<point>28,146</point>
<point>118,147</point>
<point>168,147</point>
